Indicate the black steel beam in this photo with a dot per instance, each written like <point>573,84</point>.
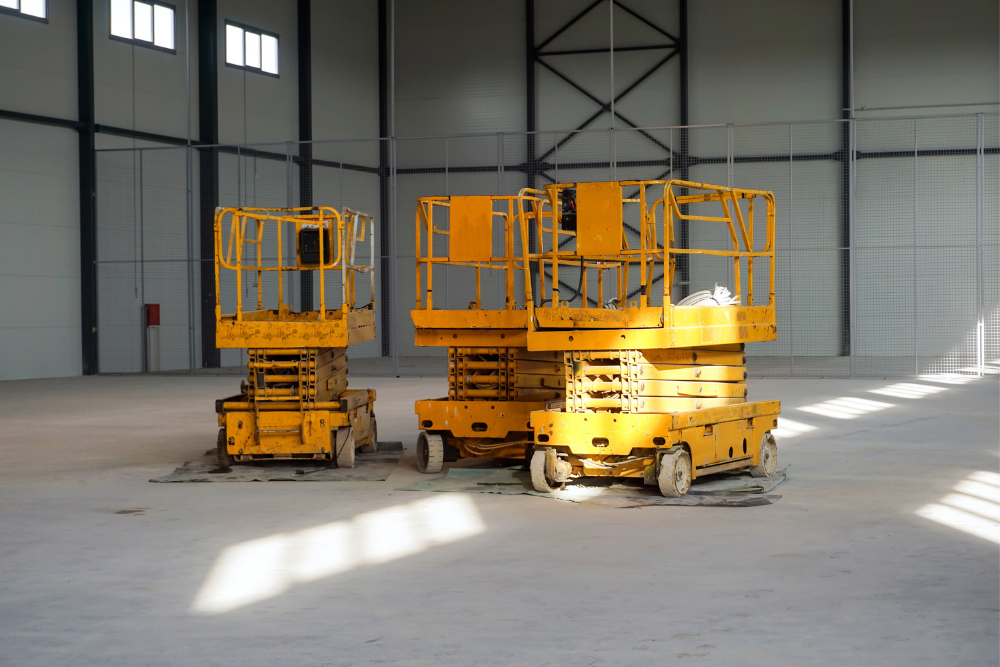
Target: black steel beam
<point>845,180</point>
<point>530,56</point>
<point>208,172</point>
<point>531,169</point>
<point>385,248</point>
<point>684,232</point>
<point>145,136</point>
<point>645,76</point>
<point>540,168</point>
<point>605,107</point>
<point>40,120</point>
<point>683,47</point>
<point>88,184</point>
<point>576,52</point>
<point>566,26</point>
<point>647,22</point>
<point>305,133</point>
<point>534,55</point>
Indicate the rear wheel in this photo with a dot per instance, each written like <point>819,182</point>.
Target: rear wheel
<point>222,450</point>
<point>539,480</point>
<point>430,452</point>
<point>372,446</point>
<point>768,461</point>
<point>675,474</point>
<point>344,447</point>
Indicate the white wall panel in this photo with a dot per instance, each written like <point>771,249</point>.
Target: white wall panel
<point>254,107</point>
<point>345,69</point>
<point>654,102</point>
<point>764,61</point>
<point>38,62</point>
<point>931,54</point>
<point>39,252</point>
<point>459,67</point>
<point>142,88</point>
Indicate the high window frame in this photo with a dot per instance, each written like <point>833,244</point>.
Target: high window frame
<point>16,8</point>
<point>156,13</point>
<point>255,39</point>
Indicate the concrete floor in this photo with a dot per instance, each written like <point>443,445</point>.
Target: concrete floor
<point>844,569</point>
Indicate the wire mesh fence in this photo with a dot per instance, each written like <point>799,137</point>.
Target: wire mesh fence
<point>888,233</point>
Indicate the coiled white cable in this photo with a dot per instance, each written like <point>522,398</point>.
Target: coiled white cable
<point>720,296</point>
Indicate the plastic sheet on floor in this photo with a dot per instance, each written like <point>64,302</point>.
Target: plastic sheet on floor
<point>367,468</point>
<point>722,490</point>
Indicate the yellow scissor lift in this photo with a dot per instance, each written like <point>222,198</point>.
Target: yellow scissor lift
<point>295,403</point>
<point>639,390</point>
<point>494,382</point>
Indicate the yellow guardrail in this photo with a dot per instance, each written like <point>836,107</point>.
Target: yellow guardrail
<point>350,227</point>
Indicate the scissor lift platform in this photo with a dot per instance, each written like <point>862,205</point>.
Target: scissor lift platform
<point>624,387</point>
<point>295,403</point>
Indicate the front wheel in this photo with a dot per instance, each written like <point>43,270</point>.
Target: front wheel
<point>675,474</point>
<point>372,445</point>
<point>768,460</point>
<point>343,439</point>
<point>430,453</point>
<point>539,480</point>
<point>222,450</point>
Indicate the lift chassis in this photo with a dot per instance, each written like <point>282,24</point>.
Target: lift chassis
<point>295,403</point>
<point>608,379</point>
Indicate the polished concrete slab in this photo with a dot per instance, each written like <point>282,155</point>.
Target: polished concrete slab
<point>882,551</point>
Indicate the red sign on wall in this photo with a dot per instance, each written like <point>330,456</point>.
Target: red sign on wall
<point>152,314</point>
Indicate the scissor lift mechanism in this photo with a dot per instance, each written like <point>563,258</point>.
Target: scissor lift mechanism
<point>619,388</point>
<point>295,403</point>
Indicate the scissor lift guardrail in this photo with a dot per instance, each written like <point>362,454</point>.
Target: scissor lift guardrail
<point>295,403</point>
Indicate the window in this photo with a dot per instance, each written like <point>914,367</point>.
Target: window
<point>252,49</point>
<point>145,23</point>
<point>34,9</point>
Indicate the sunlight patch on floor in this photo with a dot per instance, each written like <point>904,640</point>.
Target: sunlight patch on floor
<point>788,428</point>
<point>846,407</point>
<point>973,506</point>
<point>947,378</point>
<point>256,570</point>
<point>908,390</point>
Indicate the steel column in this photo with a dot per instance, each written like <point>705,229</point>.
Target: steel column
<point>980,284</point>
<point>529,77</point>
<point>305,134</point>
<point>385,269</point>
<point>531,160</point>
<point>684,233</point>
<point>208,130</point>
<point>88,184</point>
<point>846,258</point>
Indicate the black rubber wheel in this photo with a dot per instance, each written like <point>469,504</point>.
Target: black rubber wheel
<point>768,459</point>
<point>430,452</point>
<point>221,450</point>
<point>344,447</point>
<point>372,445</point>
<point>674,479</point>
<point>539,480</point>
